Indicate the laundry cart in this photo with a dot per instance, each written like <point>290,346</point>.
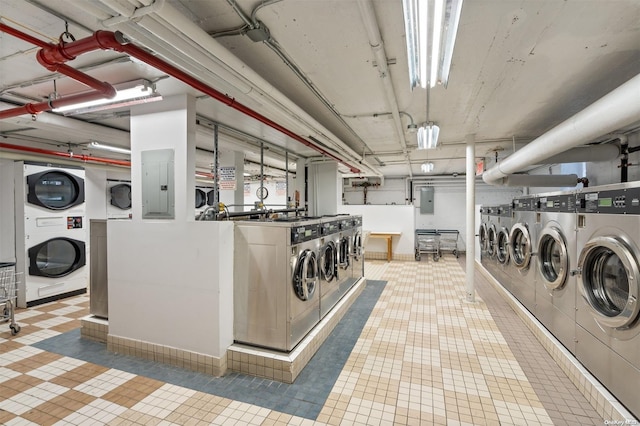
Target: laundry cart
<point>8,286</point>
<point>427,241</point>
<point>449,241</point>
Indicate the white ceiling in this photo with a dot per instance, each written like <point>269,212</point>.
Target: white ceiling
<point>519,68</point>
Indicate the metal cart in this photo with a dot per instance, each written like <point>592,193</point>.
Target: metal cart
<point>449,241</point>
<point>427,241</point>
<point>8,288</point>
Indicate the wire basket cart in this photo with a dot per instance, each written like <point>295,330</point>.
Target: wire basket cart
<point>449,241</point>
<point>427,241</point>
<point>8,288</point>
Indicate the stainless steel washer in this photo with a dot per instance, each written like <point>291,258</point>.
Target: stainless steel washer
<point>522,240</point>
<point>357,250</point>
<point>328,265</point>
<point>483,234</point>
<point>556,251</point>
<point>608,305</point>
<point>345,242</point>
<point>503,227</point>
<point>276,297</point>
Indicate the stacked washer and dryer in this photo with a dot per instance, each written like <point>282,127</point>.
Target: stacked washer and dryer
<point>608,301</point>
<point>51,232</point>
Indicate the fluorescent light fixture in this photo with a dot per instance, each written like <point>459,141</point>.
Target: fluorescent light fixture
<point>430,28</point>
<point>426,167</point>
<point>111,148</point>
<point>129,93</point>
<point>428,136</point>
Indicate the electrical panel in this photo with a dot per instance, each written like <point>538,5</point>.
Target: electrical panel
<point>158,189</point>
<point>426,200</point>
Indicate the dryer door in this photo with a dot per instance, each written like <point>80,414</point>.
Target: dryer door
<point>201,198</point>
<point>492,240</point>
<point>609,281</point>
<point>305,275</point>
<point>502,246</point>
<point>121,196</point>
<point>553,258</point>
<point>55,189</point>
<point>56,257</point>
<point>520,246</point>
<point>329,262</point>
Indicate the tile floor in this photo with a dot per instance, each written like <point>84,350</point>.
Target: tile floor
<point>422,357</point>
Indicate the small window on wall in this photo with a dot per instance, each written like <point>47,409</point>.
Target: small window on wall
<point>426,200</point>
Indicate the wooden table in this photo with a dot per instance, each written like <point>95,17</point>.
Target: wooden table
<point>388,236</point>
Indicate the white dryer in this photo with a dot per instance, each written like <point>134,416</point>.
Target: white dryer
<point>608,305</point>
<point>522,240</point>
<point>118,199</point>
<point>51,232</point>
<point>556,251</point>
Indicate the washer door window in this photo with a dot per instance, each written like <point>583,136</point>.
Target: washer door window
<point>56,257</point>
<point>305,276</point>
<point>55,190</point>
<point>502,246</point>
<point>357,246</point>
<point>329,262</point>
<point>609,281</point>
<point>121,196</point>
<point>201,198</point>
<point>492,237</point>
<point>520,246</point>
<point>344,250</point>
<point>554,261</point>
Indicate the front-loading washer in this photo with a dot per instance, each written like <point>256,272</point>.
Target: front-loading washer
<point>51,232</point>
<point>345,242</point>
<point>608,305</point>
<point>357,249</point>
<point>502,256</point>
<point>483,234</point>
<point>328,265</point>
<point>491,264</point>
<point>276,297</point>
<point>522,238</point>
<point>555,290</point>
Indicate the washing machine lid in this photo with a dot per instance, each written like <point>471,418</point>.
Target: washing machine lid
<point>520,245</point>
<point>608,281</point>
<point>502,246</point>
<point>55,189</point>
<point>553,258</point>
<point>56,257</point>
<point>305,275</point>
<point>121,196</point>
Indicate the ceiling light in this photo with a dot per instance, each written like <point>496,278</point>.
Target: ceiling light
<point>111,148</point>
<point>428,136</point>
<point>430,27</point>
<point>426,167</point>
<point>130,93</point>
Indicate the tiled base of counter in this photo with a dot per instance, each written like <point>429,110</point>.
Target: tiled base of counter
<point>286,367</point>
<point>94,328</point>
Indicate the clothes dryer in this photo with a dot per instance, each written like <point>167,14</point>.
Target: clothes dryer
<point>608,304</point>
<point>276,297</point>
<point>118,199</point>
<point>328,265</point>
<point>556,252</point>
<point>522,238</point>
<point>51,232</point>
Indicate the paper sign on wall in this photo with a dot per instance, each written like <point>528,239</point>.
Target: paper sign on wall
<point>227,177</point>
<point>281,188</point>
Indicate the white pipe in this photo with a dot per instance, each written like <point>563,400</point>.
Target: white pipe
<point>586,154</point>
<point>471,217</point>
<point>612,112</point>
<point>555,181</point>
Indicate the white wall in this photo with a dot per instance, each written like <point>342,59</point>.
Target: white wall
<point>277,198</point>
<point>7,215</point>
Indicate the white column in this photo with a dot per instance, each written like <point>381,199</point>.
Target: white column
<point>471,217</point>
<point>325,188</point>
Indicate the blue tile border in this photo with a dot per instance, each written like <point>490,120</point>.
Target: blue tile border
<point>304,398</point>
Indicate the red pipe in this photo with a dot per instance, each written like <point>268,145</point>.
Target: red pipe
<point>79,157</point>
<point>105,40</point>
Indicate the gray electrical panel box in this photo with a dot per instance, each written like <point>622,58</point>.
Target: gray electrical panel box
<point>158,189</point>
<point>426,200</point>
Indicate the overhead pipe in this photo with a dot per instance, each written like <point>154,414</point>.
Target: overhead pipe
<point>107,40</point>
<point>614,111</point>
<point>68,155</point>
<point>550,181</point>
<point>586,154</point>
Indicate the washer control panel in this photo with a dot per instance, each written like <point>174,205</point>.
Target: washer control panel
<point>300,234</point>
<point>565,203</point>
<point>615,201</point>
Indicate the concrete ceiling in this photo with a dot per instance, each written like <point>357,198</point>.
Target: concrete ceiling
<point>519,68</point>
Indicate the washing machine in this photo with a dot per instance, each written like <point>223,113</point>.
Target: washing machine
<point>51,232</point>
<point>556,250</point>
<point>522,240</point>
<point>328,265</point>
<point>345,242</point>
<point>118,199</point>
<point>502,256</point>
<point>357,250</point>
<point>608,305</point>
<point>276,297</point>
<point>491,263</point>
<point>483,234</point>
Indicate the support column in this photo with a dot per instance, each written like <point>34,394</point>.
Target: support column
<point>471,216</point>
